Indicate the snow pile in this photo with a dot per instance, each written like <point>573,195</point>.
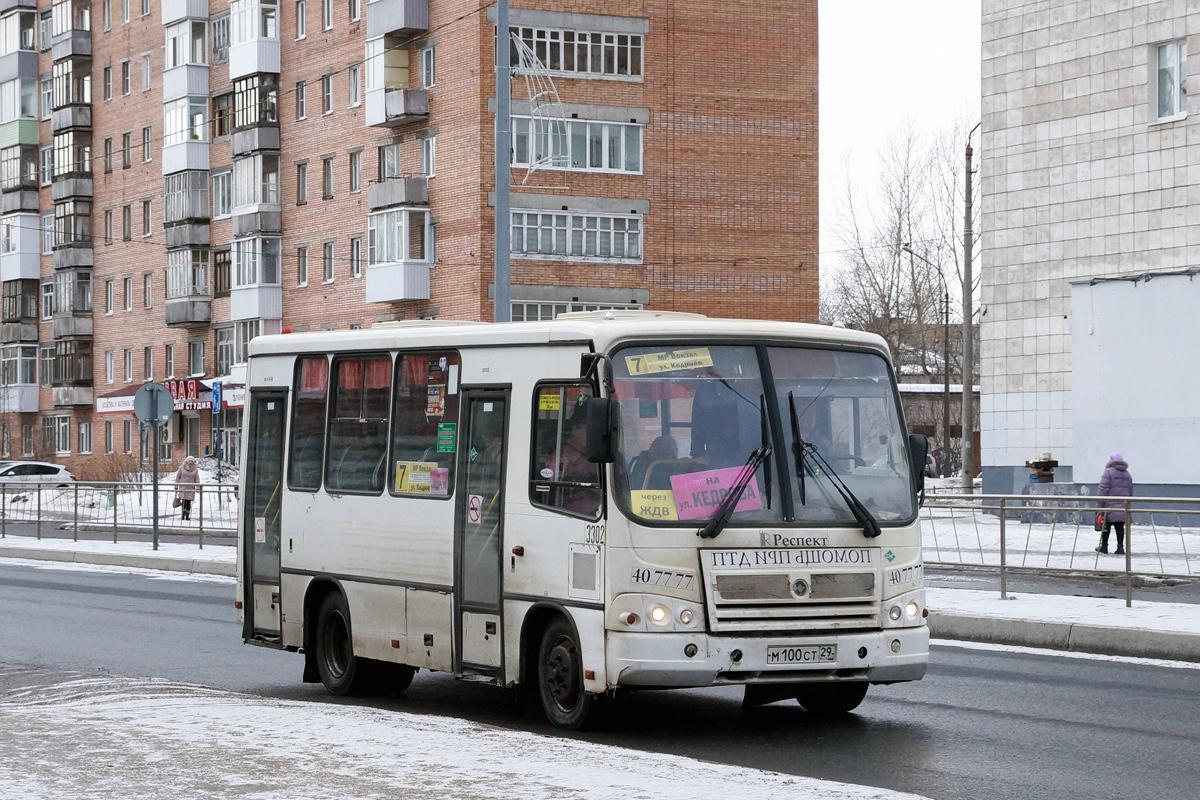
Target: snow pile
<point>1105,611</point>
<point>132,739</point>
<point>174,550</point>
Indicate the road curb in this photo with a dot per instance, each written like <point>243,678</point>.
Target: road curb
<point>1068,636</point>
<point>166,563</point>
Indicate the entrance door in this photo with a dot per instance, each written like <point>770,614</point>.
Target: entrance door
<point>479,530</point>
<point>260,519</point>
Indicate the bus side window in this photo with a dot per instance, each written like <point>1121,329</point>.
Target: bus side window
<point>307,447</point>
<point>561,477</point>
<point>358,420</point>
<point>425,424</point>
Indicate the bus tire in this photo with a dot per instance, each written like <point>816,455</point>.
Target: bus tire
<point>340,671</point>
<point>560,678</point>
<point>399,677</point>
<point>832,699</point>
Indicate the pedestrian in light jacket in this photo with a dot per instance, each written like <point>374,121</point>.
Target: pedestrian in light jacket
<point>1115,482</point>
<point>186,478</point>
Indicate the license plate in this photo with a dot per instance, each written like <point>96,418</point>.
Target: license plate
<point>801,654</point>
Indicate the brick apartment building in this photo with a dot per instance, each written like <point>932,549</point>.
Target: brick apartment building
<point>180,176</point>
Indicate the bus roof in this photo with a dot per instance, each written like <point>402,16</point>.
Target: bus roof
<point>602,328</point>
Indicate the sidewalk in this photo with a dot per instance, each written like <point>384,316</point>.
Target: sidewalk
<point>1150,629</point>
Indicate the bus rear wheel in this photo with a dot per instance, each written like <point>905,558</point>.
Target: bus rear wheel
<point>832,699</point>
<point>560,678</point>
<point>340,671</point>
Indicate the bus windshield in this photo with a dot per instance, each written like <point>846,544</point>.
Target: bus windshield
<point>690,417</point>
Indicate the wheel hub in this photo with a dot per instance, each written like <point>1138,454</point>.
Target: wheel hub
<point>562,679</point>
<point>337,645</point>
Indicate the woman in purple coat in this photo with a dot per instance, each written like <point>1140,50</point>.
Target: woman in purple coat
<point>1115,482</point>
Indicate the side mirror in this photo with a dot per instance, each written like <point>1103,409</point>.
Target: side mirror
<point>601,430</point>
<point>918,450</point>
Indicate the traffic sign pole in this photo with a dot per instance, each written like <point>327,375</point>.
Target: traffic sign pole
<point>154,469</point>
<point>154,405</point>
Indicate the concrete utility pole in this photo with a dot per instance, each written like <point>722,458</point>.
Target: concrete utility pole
<point>502,301</point>
<point>945,440</point>
<point>968,361</point>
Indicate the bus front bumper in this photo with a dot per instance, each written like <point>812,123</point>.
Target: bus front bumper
<point>661,660</point>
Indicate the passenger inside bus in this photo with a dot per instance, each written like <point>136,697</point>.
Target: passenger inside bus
<point>571,465</point>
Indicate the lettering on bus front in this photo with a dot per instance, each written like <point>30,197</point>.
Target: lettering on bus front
<point>748,559</point>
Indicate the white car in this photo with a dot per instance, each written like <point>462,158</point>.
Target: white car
<point>34,472</point>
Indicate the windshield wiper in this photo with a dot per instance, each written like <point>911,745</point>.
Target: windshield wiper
<point>724,512</point>
<point>861,514</point>
<point>797,446</point>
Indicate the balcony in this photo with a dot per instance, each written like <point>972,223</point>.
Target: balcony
<point>391,16</point>
<point>77,323</point>
<point>259,137</point>
<point>18,199</point>
<point>20,398</point>
<point>256,55</point>
<point>17,332</point>
<point>9,5</point>
<point>184,81</point>
<point>394,107</point>
<point>68,396</point>
<point>72,186</point>
<point>400,191</point>
<point>256,302</point>
<point>185,156</point>
<point>175,10</point>
<point>21,252</point>
<point>78,115</point>
<point>75,254</point>
<point>73,43</point>
<point>403,280</point>
<point>188,234</point>
<point>189,311</point>
<point>19,64</point>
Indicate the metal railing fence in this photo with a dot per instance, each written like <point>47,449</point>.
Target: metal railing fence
<point>1055,534</point>
<point>120,506</point>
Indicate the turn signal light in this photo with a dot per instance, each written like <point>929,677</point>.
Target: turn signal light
<point>629,618</point>
<point>237,604</point>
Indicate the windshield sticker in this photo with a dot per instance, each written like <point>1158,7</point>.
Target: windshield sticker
<point>653,504</point>
<point>415,477</point>
<point>447,437</point>
<point>549,401</point>
<point>698,494</point>
<point>674,361</point>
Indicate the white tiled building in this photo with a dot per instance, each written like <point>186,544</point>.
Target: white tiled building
<point>1090,169</point>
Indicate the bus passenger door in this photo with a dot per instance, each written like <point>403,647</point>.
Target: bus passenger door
<point>260,521</point>
<point>479,521</point>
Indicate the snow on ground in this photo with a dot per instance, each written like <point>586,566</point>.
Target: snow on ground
<point>966,535</point>
<point>152,574</point>
<point>1105,611</point>
<point>148,739</point>
<point>1041,651</point>
<point>126,507</point>
<point>173,550</point>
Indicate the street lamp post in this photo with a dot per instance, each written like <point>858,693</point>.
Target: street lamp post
<point>945,359</point>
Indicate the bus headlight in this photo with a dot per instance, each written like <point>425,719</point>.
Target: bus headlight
<point>894,613</point>
<point>660,614</point>
<point>686,616</point>
<point>912,609</point>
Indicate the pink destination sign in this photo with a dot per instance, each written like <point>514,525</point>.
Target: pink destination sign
<point>697,494</point>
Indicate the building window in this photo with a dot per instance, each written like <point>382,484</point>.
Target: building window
<point>429,156</point>
<point>127,285</point>
<point>256,180</point>
<point>302,266</point>
<point>301,19</point>
<point>146,217</point>
<point>148,363</point>
<point>147,290</point>
<point>301,100</point>
<point>224,350</point>
<point>355,10</point>
<point>169,360</point>
<point>48,300</point>
<point>327,177</point>
<point>355,256</point>
<point>246,330</point>
<point>108,437</point>
<point>109,365</point>
<point>145,72</point>
<point>221,201</point>
<point>85,437</point>
<point>327,260</point>
<point>356,170</point>
<point>108,153</point>
<point>184,120</point>
<point>45,29</point>
<point>18,99</point>
<point>72,223</point>
<point>187,43</point>
<point>107,78</point>
<point>353,84</point>
<point>126,223</point>
<point>127,361</point>
<point>48,366</point>
<point>532,311</point>
<point>302,183</point>
<point>1171,79</point>
<point>108,297</point>
<point>126,77</point>
<point>399,235</point>
<point>108,226</point>
<point>126,150</point>
<point>220,38</point>
<point>222,114</point>
<point>428,61</point>
<point>125,11</point>
<point>326,94</point>
<point>576,236</point>
<point>255,101</point>
<point>256,261</point>
<point>18,365</point>
<point>47,97</point>
<point>196,358</point>
<point>26,439</point>
<point>145,8</point>
<point>389,161</point>
<point>186,196</point>
<point>577,145</point>
<point>106,15</point>
<point>222,262</point>
<point>146,150</point>
<point>187,273</point>
<point>583,53</point>
<point>47,164</point>
<point>56,434</point>
<point>126,436</point>
<point>47,234</point>
<point>326,14</point>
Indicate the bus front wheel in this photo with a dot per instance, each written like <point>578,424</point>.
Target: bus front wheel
<point>340,671</point>
<point>831,699</point>
<point>560,678</point>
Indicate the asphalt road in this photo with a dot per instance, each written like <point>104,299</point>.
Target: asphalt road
<point>983,724</point>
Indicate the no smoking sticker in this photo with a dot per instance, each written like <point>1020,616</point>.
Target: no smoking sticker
<point>475,509</point>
